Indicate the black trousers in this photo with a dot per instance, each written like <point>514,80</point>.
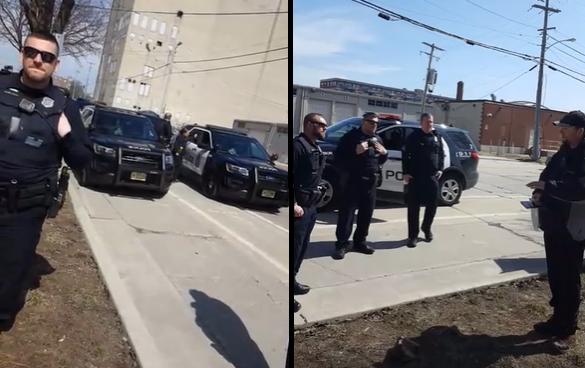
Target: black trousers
<point>360,195</point>
<point>19,236</point>
<point>303,226</point>
<point>564,259</point>
<point>421,194</point>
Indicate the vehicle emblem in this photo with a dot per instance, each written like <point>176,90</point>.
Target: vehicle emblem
<point>48,102</point>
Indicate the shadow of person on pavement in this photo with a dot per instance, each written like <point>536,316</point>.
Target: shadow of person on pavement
<point>444,346</point>
<point>40,267</point>
<point>226,331</point>
<point>530,265</point>
<point>320,249</point>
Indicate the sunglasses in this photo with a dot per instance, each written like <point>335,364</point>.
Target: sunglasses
<point>31,52</point>
<point>321,125</point>
<point>371,121</point>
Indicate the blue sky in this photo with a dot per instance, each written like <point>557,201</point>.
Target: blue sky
<point>340,38</point>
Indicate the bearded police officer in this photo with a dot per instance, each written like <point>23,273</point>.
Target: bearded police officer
<point>560,196</point>
<point>308,164</point>
<point>35,134</point>
<point>422,167</point>
<point>359,157</point>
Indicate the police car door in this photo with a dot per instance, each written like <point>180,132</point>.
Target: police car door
<point>393,139</point>
<point>190,150</point>
<point>201,153</point>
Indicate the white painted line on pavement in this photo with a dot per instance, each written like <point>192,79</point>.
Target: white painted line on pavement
<point>267,221</point>
<point>403,220</point>
<point>238,238</point>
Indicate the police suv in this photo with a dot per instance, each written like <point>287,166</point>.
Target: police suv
<point>460,162</point>
<point>127,151</point>
<point>230,164</point>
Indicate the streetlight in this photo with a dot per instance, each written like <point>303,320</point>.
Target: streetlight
<point>573,39</point>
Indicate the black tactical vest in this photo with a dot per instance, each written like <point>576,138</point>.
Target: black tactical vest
<point>29,142</point>
<point>306,190</point>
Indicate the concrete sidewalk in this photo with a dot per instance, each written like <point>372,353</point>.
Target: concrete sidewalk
<point>471,249</point>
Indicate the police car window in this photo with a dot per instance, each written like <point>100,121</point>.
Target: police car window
<point>392,139</point>
<point>461,140</point>
<point>239,145</point>
<point>193,135</point>
<point>122,125</point>
<point>203,139</point>
<point>338,130</point>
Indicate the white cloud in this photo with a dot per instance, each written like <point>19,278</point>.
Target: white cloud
<point>317,37</point>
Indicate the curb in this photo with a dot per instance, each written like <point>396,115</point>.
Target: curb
<point>146,351</point>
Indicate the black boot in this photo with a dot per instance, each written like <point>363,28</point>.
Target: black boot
<point>411,243</point>
<point>300,289</point>
<point>296,306</point>
<point>548,328</point>
<point>362,247</point>
<point>340,250</point>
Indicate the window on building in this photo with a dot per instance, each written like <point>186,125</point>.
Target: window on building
<point>141,89</point>
<point>135,18</point>
<point>113,66</point>
<point>163,28</point>
<point>153,25</point>
<point>147,89</point>
<point>144,21</point>
<point>130,86</point>
<point>174,32</point>
<point>122,84</point>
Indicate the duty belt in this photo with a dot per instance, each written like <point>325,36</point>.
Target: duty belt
<point>15,197</point>
<point>307,197</point>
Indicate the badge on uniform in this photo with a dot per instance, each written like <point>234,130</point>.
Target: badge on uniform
<point>48,102</point>
<point>33,141</point>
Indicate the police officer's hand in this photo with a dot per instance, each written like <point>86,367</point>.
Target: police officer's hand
<point>63,128</point>
<point>299,211</point>
<point>536,196</point>
<point>379,148</point>
<point>361,148</point>
<point>438,174</point>
<point>536,185</point>
<point>407,178</point>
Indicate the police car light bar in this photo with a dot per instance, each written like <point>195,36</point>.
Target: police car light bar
<point>390,116</point>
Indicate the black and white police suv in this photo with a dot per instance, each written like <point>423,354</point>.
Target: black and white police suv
<point>127,151</point>
<point>461,160</point>
<point>232,165</point>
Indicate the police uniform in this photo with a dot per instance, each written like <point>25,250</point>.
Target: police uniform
<point>423,158</point>
<point>562,218</point>
<point>308,165</point>
<point>31,152</point>
<point>360,177</point>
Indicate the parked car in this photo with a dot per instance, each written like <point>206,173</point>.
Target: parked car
<point>127,151</point>
<point>461,160</point>
<point>230,164</point>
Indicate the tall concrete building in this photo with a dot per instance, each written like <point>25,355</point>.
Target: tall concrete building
<point>191,59</point>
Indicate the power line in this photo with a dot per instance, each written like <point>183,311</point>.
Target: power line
<point>434,29</point>
<point>500,15</point>
<point>566,53</point>
<point>184,13</point>
<point>509,82</point>
<point>564,44</point>
<point>567,74</point>
<point>229,67</point>
<point>231,57</point>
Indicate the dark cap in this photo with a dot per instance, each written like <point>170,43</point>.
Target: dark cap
<point>572,119</point>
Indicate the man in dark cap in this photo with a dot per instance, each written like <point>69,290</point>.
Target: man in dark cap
<point>560,196</point>
<point>359,156</point>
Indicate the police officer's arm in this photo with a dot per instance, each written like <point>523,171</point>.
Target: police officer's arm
<point>383,157</point>
<point>76,147</point>
<point>407,155</point>
<point>441,154</point>
<point>571,188</point>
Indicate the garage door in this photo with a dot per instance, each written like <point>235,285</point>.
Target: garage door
<point>343,111</point>
<point>322,107</point>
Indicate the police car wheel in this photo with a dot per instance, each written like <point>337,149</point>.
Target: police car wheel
<point>450,190</point>
<point>210,186</point>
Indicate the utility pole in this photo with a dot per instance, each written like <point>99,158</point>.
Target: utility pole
<point>427,81</point>
<point>538,115</point>
<point>171,59</point>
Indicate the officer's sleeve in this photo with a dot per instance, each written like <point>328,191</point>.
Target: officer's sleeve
<point>407,155</point>
<point>76,146</point>
<point>382,158</point>
<point>570,188</point>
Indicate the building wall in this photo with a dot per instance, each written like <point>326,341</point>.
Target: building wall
<point>137,40</point>
<point>463,115</point>
<point>337,105</point>
<point>513,126</point>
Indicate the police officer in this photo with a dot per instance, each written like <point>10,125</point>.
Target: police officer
<point>179,149</point>
<point>560,196</point>
<point>308,164</point>
<point>35,134</point>
<point>422,167</point>
<point>359,156</point>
